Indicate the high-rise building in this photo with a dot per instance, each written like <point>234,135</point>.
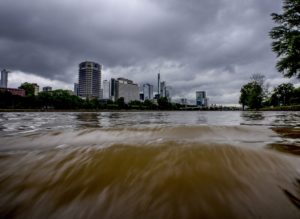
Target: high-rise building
<point>76,89</point>
<point>90,80</point>
<point>106,90</point>
<point>127,89</point>
<point>201,99</point>
<point>163,87</point>
<point>47,89</point>
<point>148,91</point>
<point>113,89</point>
<point>4,78</point>
<point>158,84</point>
<point>168,91</point>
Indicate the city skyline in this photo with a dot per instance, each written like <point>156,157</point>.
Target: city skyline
<point>196,45</point>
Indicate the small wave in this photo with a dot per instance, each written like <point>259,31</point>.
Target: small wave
<point>157,172</point>
<point>232,135</point>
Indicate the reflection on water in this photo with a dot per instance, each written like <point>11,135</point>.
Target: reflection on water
<point>150,165</point>
<point>16,123</point>
<point>252,116</point>
<point>88,120</point>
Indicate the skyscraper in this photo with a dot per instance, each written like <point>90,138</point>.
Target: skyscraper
<point>158,84</point>
<point>4,78</point>
<point>113,89</point>
<point>163,87</point>
<point>106,90</point>
<point>148,91</point>
<point>90,80</point>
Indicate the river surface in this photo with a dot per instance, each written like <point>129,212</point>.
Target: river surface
<point>156,165</point>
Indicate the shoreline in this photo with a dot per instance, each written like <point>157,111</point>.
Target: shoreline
<point>297,109</point>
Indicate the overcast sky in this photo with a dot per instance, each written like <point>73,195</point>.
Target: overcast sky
<point>212,45</point>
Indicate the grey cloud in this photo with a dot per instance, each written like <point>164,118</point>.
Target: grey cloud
<point>194,43</point>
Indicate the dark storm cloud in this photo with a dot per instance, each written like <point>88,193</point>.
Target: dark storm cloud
<point>194,43</point>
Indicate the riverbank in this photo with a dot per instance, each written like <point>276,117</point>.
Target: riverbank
<point>277,108</point>
<point>282,108</point>
<point>134,110</point>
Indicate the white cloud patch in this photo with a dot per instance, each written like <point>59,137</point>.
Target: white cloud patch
<point>16,78</point>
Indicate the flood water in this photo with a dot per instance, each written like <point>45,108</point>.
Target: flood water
<point>155,165</point>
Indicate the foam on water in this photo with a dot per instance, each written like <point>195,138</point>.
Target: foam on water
<point>233,135</point>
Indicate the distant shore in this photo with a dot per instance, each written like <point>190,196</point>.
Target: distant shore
<point>101,110</point>
<point>281,108</point>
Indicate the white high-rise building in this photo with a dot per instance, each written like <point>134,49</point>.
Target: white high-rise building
<point>106,90</point>
<point>163,87</point>
<point>4,78</point>
<point>90,80</point>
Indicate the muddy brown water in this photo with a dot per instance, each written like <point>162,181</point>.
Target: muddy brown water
<point>150,165</point>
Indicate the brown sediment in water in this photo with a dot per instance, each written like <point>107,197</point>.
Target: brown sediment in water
<point>147,172</point>
<point>286,148</point>
<point>167,180</point>
<point>288,132</point>
<point>290,147</point>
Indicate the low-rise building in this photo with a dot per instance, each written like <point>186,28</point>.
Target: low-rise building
<point>47,89</point>
<point>183,101</point>
<point>14,91</point>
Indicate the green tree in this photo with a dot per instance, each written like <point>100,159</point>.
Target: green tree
<point>148,104</point>
<point>29,89</point>
<point>251,95</point>
<point>164,104</point>
<point>286,38</point>
<point>135,104</point>
<point>296,96</point>
<point>45,99</point>
<point>121,103</point>
<point>282,94</point>
<point>245,91</point>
